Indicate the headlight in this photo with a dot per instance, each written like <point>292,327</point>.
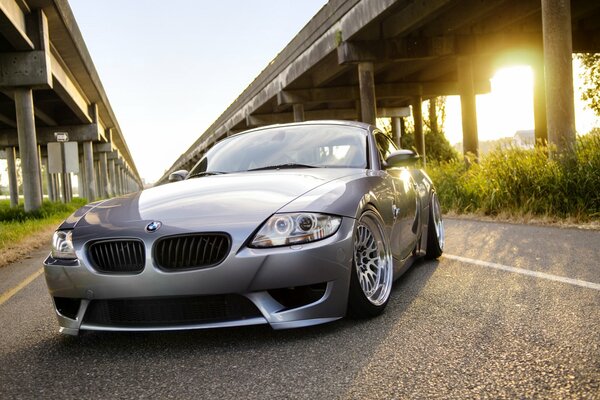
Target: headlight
<point>296,228</point>
<point>62,245</point>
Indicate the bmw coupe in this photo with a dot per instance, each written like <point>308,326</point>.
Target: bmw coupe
<point>287,225</point>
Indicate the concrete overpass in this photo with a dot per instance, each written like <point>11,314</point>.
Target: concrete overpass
<point>48,84</point>
<point>362,59</point>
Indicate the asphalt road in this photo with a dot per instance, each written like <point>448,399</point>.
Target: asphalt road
<point>453,329</point>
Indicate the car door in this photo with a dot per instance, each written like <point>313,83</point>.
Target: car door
<point>405,205</point>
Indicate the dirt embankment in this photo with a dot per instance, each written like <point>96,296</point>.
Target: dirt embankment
<point>23,248</point>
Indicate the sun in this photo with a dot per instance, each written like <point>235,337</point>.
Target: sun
<point>507,109</point>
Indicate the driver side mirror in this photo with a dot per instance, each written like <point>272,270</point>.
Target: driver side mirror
<point>178,175</point>
<point>402,158</point>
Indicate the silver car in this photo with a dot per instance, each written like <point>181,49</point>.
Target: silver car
<point>287,225</point>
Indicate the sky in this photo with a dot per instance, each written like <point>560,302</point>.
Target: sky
<point>171,68</point>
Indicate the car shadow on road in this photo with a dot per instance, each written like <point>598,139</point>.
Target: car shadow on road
<point>240,359</point>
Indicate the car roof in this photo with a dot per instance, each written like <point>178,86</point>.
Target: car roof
<point>363,125</point>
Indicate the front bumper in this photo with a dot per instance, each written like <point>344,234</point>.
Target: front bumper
<point>251,273</point>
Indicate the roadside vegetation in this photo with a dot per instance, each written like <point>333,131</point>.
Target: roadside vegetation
<point>524,182</point>
<point>18,226</point>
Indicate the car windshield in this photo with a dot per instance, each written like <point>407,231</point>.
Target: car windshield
<point>303,146</point>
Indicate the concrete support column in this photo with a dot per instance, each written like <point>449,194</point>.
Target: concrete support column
<point>123,186</point>
<point>417,106</point>
<point>55,187</point>
<point>126,181</point>
<point>13,185</point>
<point>112,177</point>
<point>118,178</point>
<point>103,175</point>
<point>49,181</point>
<point>80,182</point>
<point>39,156</point>
<point>433,118</point>
<point>298,112</point>
<point>65,179</point>
<point>98,178</point>
<point>90,178</point>
<point>56,184</point>
<point>28,151</point>
<point>558,49</point>
<point>366,80</point>
<point>69,185</point>
<point>398,130</point>
<point>122,179</point>
<point>84,185</point>
<point>468,107</point>
<point>539,103</point>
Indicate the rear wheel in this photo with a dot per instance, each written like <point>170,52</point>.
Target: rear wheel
<point>435,230</point>
<point>372,269</point>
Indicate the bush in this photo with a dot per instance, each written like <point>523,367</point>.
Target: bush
<point>47,210</point>
<point>523,182</point>
<point>437,147</point>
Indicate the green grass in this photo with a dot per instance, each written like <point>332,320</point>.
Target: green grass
<point>16,224</point>
<point>525,182</point>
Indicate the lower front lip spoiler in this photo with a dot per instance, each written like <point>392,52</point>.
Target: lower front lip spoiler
<point>211,325</point>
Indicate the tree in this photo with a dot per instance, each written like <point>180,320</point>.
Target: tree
<point>437,147</point>
<point>591,80</point>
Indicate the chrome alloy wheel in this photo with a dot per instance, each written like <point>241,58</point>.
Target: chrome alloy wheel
<point>437,221</point>
<point>372,259</point>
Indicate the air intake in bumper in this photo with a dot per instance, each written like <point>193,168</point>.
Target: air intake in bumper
<point>117,256</point>
<point>175,253</point>
<point>170,311</point>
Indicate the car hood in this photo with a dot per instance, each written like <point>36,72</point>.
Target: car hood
<point>211,201</point>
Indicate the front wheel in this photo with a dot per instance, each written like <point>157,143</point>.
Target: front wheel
<point>435,230</point>
<point>372,269</point>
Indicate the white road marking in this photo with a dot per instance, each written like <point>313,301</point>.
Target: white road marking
<point>11,292</point>
<point>536,274</point>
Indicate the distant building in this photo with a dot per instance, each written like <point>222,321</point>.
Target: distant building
<point>524,139</point>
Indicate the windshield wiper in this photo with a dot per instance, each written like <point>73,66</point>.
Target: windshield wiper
<point>283,166</point>
<point>205,173</point>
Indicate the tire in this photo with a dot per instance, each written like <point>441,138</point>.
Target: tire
<point>435,230</point>
<point>372,267</point>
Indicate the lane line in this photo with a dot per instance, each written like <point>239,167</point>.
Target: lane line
<point>536,274</point>
<point>11,292</point>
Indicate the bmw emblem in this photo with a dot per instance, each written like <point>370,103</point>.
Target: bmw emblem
<point>153,226</point>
